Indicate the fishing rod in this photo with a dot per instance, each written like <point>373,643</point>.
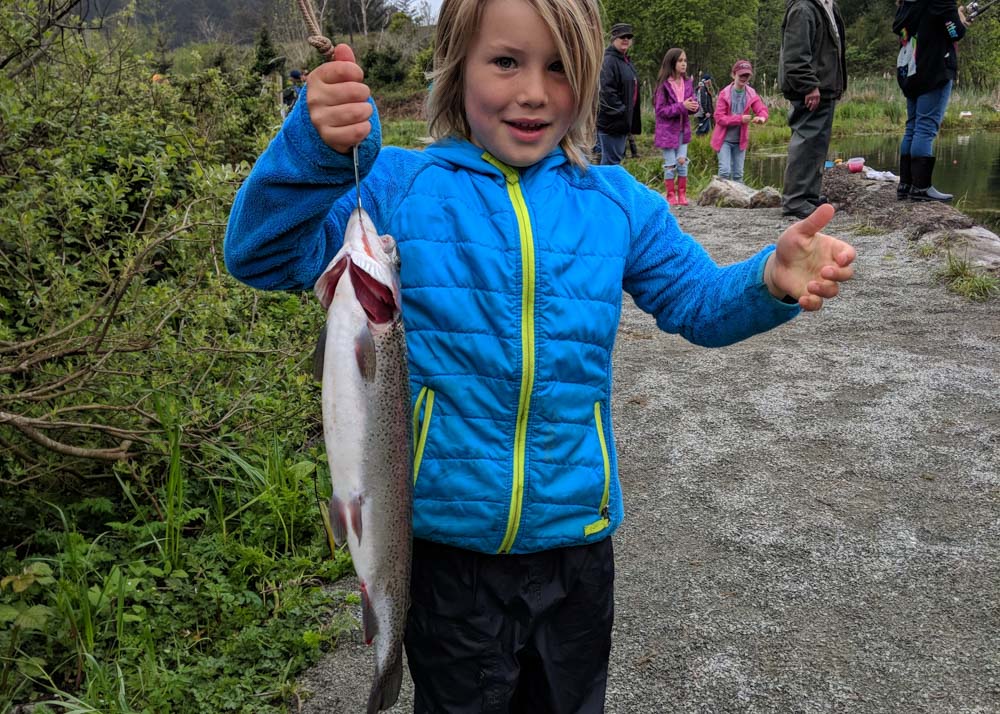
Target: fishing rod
<point>975,8</point>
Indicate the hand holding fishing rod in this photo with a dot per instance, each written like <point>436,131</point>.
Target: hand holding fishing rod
<point>337,98</point>
<point>975,8</point>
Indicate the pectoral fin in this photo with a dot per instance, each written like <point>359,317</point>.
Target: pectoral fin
<point>319,355</point>
<point>368,621</point>
<point>364,351</point>
<point>338,523</point>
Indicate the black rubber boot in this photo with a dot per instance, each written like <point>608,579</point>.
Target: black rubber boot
<point>905,178</point>
<point>922,168</point>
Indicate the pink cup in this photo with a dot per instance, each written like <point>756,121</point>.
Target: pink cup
<point>855,165</point>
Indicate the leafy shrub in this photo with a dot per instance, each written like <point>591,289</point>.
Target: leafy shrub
<point>157,553</point>
<point>383,67</point>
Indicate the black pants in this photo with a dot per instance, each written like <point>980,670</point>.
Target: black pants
<point>807,150</point>
<point>510,633</point>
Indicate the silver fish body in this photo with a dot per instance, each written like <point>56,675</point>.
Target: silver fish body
<point>366,426</point>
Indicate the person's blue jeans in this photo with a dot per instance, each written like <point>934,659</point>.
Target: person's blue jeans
<point>675,162</point>
<point>612,147</point>
<point>731,158</point>
<point>923,121</point>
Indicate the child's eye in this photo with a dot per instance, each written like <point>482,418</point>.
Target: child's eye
<point>505,62</point>
<point>557,66</point>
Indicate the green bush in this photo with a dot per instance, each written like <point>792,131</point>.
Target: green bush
<point>162,547</point>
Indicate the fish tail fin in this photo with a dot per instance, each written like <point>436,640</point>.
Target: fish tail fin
<point>385,688</point>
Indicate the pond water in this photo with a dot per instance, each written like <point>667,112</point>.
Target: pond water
<point>968,166</point>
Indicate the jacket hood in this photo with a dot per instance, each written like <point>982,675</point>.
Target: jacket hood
<point>461,153</point>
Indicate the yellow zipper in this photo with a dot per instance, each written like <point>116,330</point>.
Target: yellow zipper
<point>527,349</point>
<point>421,426</point>
<point>605,520</point>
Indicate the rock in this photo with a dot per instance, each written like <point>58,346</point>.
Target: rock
<point>978,246</point>
<point>733,194</point>
<point>875,202</point>
<point>767,197</point>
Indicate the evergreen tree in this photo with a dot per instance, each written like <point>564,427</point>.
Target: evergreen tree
<point>267,59</point>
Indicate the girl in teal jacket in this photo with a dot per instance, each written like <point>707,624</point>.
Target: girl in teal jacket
<point>514,256</point>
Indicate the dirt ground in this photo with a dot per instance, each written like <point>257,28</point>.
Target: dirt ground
<point>812,516</point>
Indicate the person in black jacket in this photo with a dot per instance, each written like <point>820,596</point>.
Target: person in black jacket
<point>706,105</point>
<point>925,75</point>
<point>618,115</point>
<point>812,73</point>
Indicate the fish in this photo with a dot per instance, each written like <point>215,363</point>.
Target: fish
<point>361,362</point>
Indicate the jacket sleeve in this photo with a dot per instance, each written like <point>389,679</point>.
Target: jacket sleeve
<point>665,108</point>
<point>288,219</point>
<point>671,276</point>
<point>947,11</point>
<point>797,41</point>
<point>612,105</point>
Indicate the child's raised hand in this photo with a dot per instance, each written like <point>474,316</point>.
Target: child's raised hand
<point>746,118</point>
<point>338,101</point>
<point>809,265</point>
<point>691,105</point>
<point>759,120</point>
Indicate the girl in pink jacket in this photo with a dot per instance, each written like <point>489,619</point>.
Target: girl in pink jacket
<point>738,105</point>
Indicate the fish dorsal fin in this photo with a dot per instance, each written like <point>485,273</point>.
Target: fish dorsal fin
<point>364,351</point>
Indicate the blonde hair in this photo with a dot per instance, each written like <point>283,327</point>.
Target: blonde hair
<point>575,26</point>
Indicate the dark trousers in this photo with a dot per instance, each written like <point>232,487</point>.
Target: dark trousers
<point>612,147</point>
<point>515,634</point>
<point>806,154</point>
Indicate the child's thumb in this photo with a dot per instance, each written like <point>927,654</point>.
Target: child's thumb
<point>343,53</point>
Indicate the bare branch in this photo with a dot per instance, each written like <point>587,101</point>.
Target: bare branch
<point>22,424</point>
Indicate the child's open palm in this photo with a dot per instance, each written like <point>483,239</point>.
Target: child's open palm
<point>809,265</point>
<point>338,101</point>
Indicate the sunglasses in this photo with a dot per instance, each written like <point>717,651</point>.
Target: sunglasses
<point>744,76</point>
<point>625,37</point>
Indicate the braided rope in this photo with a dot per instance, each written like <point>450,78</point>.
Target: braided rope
<point>316,37</point>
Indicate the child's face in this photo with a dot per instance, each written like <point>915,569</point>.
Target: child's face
<point>681,67</point>
<point>741,79</point>
<point>518,101</point>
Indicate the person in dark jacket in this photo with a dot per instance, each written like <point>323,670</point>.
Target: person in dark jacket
<point>926,78</point>
<point>812,74</point>
<point>706,105</point>
<point>618,114</point>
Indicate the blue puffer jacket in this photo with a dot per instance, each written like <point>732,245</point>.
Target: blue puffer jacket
<point>512,290</point>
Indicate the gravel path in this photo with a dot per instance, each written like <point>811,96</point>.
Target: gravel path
<point>812,516</point>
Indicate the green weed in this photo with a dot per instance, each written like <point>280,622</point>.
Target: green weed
<point>964,280</point>
<point>867,228</point>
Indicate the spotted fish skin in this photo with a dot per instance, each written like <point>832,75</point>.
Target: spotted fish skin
<point>366,427</point>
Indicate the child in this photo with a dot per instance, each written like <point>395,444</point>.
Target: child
<point>738,105</point>
<point>514,256</point>
<point>673,103</point>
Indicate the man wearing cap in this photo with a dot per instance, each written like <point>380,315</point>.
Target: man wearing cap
<point>292,91</point>
<point>618,115</point>
<point>812,73</point>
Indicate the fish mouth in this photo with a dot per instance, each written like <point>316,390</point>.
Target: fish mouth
<point>375,298</point>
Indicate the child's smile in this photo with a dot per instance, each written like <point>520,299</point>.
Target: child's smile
<point>518,102</point>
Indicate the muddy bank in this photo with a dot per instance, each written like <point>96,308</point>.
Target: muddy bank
<point>812,516</point>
